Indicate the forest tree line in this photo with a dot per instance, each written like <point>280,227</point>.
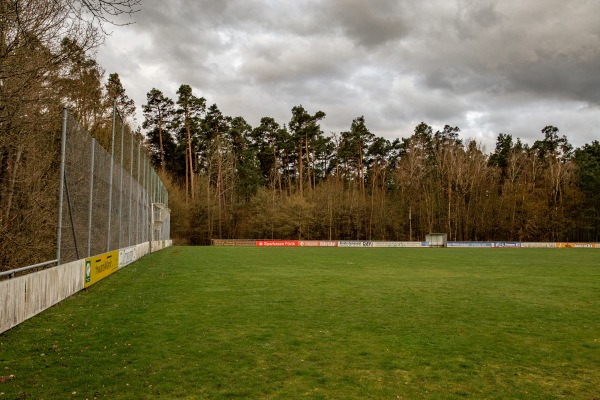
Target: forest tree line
<point>291,181</point>
<point>280,179</point>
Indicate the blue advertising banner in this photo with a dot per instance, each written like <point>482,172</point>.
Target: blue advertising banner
<point>507,244</point>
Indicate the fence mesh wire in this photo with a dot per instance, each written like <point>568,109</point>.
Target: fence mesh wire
<point>112,198</point>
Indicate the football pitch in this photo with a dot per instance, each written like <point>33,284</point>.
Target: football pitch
<point>320,323</point>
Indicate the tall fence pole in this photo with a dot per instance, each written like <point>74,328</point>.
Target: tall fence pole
<point>168,235</point>
<point>121,186</point>
<point>143,223</point>
<point>112,162</point>
<point>137,202</point>
<point>91,199</point>
<point>149,202</point>
<point>130,194</point>
<point>149,207</point>
<point>63,146</point>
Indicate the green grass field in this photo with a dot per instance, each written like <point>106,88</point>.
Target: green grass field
<point>210,322</point>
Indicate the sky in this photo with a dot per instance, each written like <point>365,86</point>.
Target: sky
<point>488,67</point>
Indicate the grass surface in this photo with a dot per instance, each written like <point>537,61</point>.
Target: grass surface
<point>210,322</point>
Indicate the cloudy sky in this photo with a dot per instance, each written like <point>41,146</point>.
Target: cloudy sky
<point>509,66</point>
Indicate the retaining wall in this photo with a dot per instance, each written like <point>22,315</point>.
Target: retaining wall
<point>25,296</point>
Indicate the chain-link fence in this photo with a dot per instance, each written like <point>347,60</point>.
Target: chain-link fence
<point>110,199</point>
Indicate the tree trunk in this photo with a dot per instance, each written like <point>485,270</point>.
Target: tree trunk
<point>449,209</point>
<point>301,170</point>
<point>160,139</point>
<point>189,151</point>
<point>187,178</point>
<point>12,179</point>
<point>360,169</point>
<point>307,161</point>
<point>219,182</point>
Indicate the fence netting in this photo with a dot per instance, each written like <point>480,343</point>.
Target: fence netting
<point>112,198</point>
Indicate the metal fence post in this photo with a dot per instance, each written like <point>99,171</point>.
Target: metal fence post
<point>91,199</point>
<point>168,232</point>
<point>130,193</point>
<point>137,201</point>
<point>63,145</point>
<point>143,221</point>
<point>143,203</point>
<point>150,210</point>
<point>121,186</point>
<point>112,162</point>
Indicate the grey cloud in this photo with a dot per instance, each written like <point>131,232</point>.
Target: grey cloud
<point>295,62</point>
<point>488,67</point>
<point>367,23</point>
<point>559,77</point>
<point>473,16</point>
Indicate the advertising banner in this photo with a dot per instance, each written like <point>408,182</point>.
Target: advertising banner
<point>469,244</point>
<point>538,245</point>
<point>397,244</point>
<point>585,245</point>
<point>126,256</point>
<point>354,243</point>
<point>309,243</point>
<point>318,243</point>
<point>233,242</point>
<point>576,245</point>
<point>506,244</point>
<point>277,243</point>
<point>100,266</point>
<point>328,243</point>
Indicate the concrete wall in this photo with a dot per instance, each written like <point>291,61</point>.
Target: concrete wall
<point>25,296</point>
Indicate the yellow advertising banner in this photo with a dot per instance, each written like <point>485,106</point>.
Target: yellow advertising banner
<point>100,266</point>
<point>576,245</point>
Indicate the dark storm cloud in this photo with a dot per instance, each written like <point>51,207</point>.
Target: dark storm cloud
<point>485,66</point>
<point>366,23</point>
<point>559,76</point>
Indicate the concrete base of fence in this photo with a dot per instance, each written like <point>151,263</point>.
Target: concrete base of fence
<point>25,296</point>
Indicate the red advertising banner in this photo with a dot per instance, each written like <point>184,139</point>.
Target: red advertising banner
<point>277,243</point>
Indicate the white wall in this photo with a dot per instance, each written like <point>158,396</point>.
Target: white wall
<point>25,296</point>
